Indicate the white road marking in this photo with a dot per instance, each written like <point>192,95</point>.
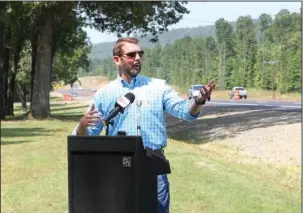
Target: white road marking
<point>246,104</point>
<point>291,106</point>
<point>223,103</point>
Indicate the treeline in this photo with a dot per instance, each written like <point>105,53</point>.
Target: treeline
<point>40,43</point>
<point>44,42</point>
<point>234,57</point>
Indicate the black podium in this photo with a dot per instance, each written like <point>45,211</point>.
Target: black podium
<point>112,174</point>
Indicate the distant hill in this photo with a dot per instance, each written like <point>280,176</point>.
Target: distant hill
<point>104,50</point>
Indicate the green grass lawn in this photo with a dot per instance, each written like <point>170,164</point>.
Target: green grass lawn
<point>206,180</point>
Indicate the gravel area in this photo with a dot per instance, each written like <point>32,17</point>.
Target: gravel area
<point>270,135</point>
<point>274,144</point>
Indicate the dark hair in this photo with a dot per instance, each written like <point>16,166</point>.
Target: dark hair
<point>117,50</point>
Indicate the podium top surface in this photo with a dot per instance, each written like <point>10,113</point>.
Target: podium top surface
<point>104,143</point>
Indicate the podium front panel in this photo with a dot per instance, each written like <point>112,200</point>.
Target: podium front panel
<point>103,182</point>
<point>111,175</point>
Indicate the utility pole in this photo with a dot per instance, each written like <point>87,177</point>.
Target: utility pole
<point>272,63</point>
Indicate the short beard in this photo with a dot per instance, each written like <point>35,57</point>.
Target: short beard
<point>128,71</point>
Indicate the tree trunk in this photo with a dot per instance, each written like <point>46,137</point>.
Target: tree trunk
<point>12,82</point>
<point>224,61</point>
<point>51,69</point>
<point>3,76</point>
<point>34,41</point>
<point>40,93</point>
<point>221,78</point>
<point>6,61</point>
<point>206,66</point>
<point>209,68</point>
<point>10,95</point>
<point>263,35</point>
<point>244,64</point>
<point>24,100</point>
<point>22,92</point>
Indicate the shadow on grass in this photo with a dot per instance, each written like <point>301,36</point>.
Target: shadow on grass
<point>58,111</point>
<point>62,116</point>
<point>15,142</point>
<point>59,104</point>
<point>64,108</point>
<point>19,117</point>
<point>11,132</point>
<point>220,126</point>
<point>67,117</point>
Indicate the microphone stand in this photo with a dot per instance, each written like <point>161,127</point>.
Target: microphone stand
<point>139,103</point>
<point>107,127</point>
<point>138,127</point>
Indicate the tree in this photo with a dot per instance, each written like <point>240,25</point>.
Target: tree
<point>139,18</point>
<point>3,72</point>
<point>23,77</point>
<point>66,66</point>
<point>285,28</point>
<point>18,26</point>
<point>70,54</point>
<point>48,16</point>
<point>190,60</point>
<point>224,34</point>
<point>265,22</point>
<point>247,44</point>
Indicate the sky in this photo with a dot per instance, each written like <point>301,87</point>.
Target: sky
<point>207,13</point>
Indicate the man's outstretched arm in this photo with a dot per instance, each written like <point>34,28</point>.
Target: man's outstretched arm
<point>196,104</point>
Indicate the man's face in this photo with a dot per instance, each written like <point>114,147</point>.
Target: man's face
<point>130,60</point>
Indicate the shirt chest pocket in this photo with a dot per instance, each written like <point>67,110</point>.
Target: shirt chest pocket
<point>150,104</point>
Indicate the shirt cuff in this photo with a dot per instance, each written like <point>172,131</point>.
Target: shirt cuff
<point>89,131</point>
<point>191,117</point>
<point>74,132</point>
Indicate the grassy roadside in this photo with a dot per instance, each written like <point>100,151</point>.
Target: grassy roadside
<point>205,178</point>
<point>91,82</point>
<point>254,94</point>
<point>211,180</point>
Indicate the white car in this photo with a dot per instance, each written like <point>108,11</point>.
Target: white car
<point>242,92</point>
<point>194,91</point>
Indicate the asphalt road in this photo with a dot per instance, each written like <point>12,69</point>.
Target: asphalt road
<point>292,106</point>
<point>245,104</point>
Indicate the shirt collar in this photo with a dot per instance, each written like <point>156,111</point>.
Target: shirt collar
<point>133,82</point>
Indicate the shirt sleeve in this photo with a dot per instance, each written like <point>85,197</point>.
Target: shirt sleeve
<point>94,130</point>
<point>175,105</point>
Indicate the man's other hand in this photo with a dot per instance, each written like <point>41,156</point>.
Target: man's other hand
<point>205,91</point>
<point>89,119</point>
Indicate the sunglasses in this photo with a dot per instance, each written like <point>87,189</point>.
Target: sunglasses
<point>133,54</point>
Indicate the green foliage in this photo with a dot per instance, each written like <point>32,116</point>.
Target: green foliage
<point>233,56</point>
<point>59,45</point>
<point>103,50</point>
<point>138,18</point>
<point>66,66</point>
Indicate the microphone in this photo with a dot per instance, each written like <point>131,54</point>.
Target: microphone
<point>139,104</point>
<point>121,104</point>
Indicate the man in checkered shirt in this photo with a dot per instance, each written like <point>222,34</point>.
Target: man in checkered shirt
<point>155,97</point>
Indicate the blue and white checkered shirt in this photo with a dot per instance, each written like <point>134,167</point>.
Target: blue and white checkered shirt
<point>156,97</point>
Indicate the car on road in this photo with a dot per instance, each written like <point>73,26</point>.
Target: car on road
<point>193,91</point>
<point>242,92</point>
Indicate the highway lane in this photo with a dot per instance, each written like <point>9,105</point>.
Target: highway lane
<point>270,103</point>
<point>244,105</point>
<point>259,102</point>
<point>86,94</point>
<point>230,103</point>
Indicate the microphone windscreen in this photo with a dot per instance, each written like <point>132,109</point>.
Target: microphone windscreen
<point>130,96</point>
